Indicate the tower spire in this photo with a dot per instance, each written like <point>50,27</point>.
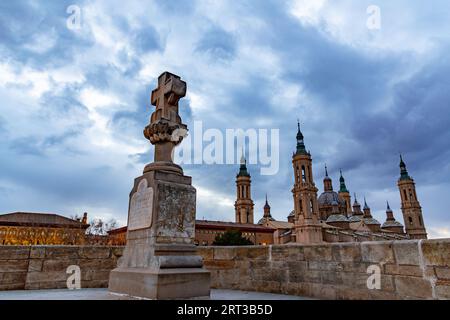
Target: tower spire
<point>243,168</point>
<point>327,183</point>
<point>365,204</point>
<point>411,209</point>
<point>300,142</point>
<point>343,187</point>
<point>244,203</point>
<point>403,171</point>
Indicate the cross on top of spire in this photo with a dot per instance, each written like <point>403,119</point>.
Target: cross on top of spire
<point>300,143</point>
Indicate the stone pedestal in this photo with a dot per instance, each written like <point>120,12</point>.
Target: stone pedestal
<point>160,261</point>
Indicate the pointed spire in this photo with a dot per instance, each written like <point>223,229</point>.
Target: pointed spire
<point>366,209</point>
<point>403,172</point>
<point>343,187</point>
<point>266,206</point>
<point>300,143</point>
<point>388,208</point>
<point>327,183</point>
<point>365,204</point>
<point>389,213</point>
<point>243,168</point>
<point>243,161</point>
<point>356,207</point>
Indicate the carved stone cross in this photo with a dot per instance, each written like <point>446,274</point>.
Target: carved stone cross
<point>166,129</point>
<point>170,90</point>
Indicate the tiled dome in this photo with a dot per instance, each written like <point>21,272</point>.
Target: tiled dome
<point>337,218</point>
<point>328,197</point>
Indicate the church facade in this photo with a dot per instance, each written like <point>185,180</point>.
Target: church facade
<point>330,217</point>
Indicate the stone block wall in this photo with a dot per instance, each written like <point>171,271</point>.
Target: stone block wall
<point>44,267</point>
<point>409,269</point>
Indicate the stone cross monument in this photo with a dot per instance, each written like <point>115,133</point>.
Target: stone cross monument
<point>160,261</point>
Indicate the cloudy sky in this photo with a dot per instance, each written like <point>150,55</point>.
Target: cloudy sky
<point>74,101</point>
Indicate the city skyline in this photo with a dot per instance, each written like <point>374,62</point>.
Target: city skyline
<point>75,102</point>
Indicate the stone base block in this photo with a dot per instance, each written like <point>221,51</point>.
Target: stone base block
<point>173,283</point>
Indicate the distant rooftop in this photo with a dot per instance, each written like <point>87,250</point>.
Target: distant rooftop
<point>35,219</point>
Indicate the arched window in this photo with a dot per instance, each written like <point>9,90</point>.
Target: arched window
<point>410,220</point>
<point>301,205</point>
<point>303,174</point>
<point>311,204</point>
<point>404,194</point>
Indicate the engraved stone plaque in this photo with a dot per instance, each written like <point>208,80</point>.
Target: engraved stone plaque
<point>176,211</point>
<point>141,207</point>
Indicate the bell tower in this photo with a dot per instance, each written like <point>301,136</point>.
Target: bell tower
<point>344,194</point>
<point>306,223</point>
<point>244,203</point>
<point>411,209</point>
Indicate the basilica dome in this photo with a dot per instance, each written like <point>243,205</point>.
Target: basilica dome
<point>337,218</point>
<point>355,218</point>
<point>328,197</point>
<point>394,223</point>
<point>370,221</point>
<point>265,219</point>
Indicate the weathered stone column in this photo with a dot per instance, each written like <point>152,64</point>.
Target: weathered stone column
<point>160,260</point>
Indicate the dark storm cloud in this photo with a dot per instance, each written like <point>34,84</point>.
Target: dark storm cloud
<point>218,44</point>
<point>359,108</point>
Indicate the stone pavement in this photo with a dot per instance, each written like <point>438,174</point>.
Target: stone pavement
<point>103,294</point>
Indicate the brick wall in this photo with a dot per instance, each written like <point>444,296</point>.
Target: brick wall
<point>409,269</point>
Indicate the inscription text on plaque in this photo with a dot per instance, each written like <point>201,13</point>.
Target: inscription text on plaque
<point>141,207</point>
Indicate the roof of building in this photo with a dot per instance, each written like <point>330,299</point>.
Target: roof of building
<point>355,218</point>
<point>328,197</point>
<point>371,221</point>
<point>391,223</point>
<point>280,224</point>
<point>337,218</point>
<point>324,225</point>
<point>359,226</point>
<point>264,219</point>
<point>219,225</point>
<point>205,224</point>
<point>35,219</point>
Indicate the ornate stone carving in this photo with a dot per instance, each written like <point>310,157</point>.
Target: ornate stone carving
<point>166,130</point>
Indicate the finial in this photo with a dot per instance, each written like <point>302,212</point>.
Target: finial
<point>326,170</point>
<point>388,207</point>
<point>242,156</point>
<point>340,170</point>
<point>298,124</point>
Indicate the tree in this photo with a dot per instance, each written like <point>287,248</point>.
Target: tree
<point>231,238</point>
<point>98,227</point>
